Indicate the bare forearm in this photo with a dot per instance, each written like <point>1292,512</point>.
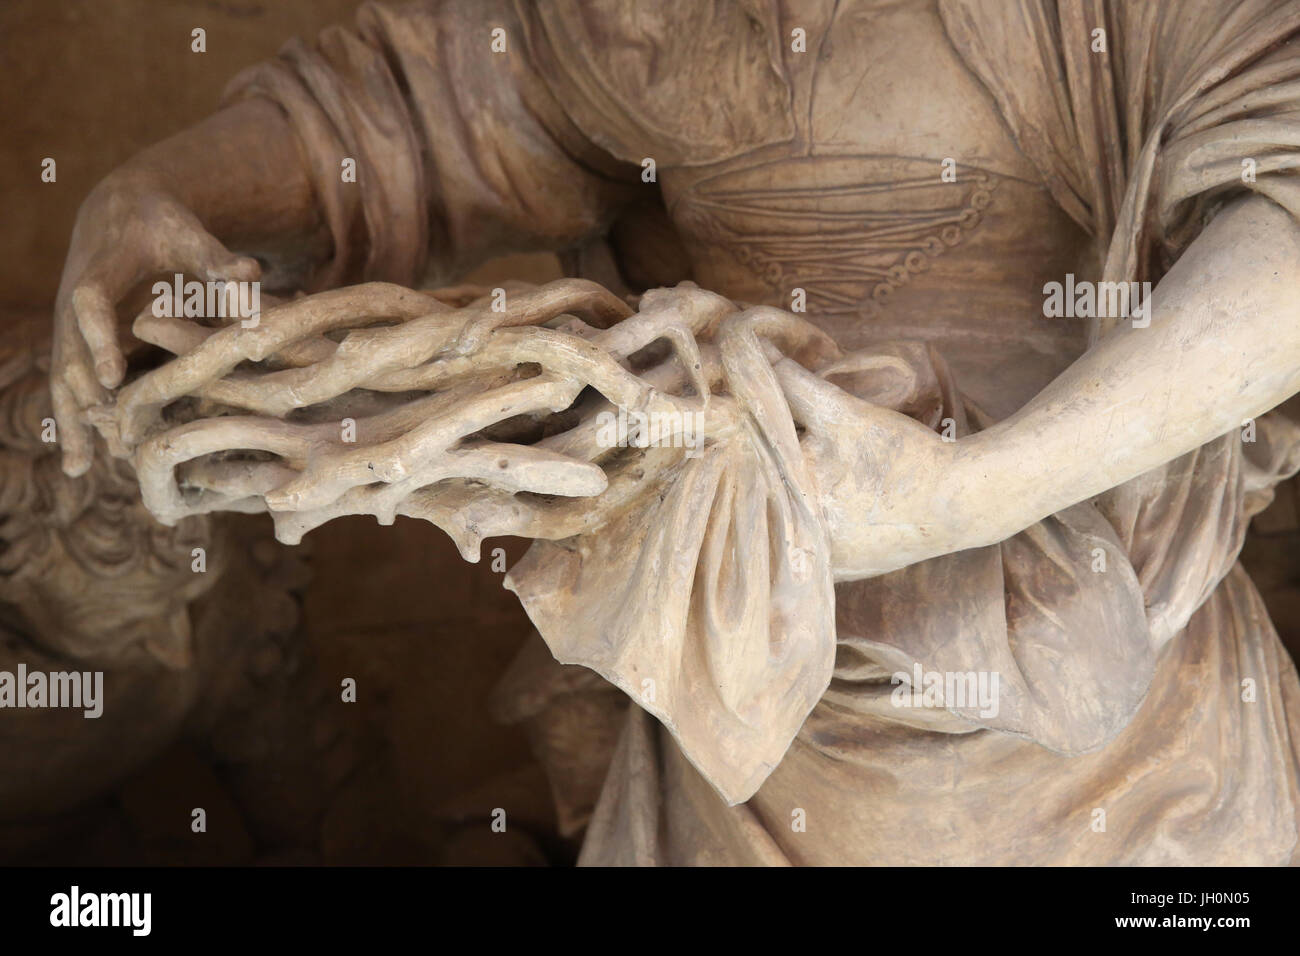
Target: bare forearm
<point>1223,346</point>
<point>241,171</point>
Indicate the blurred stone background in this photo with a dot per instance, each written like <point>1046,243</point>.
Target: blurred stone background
<point>426,636</point>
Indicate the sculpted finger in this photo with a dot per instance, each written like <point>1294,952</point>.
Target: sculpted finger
<point>73,434</point>
<point>70,361</point>
<point>86,391</point>
<point>814,402</point>
<point>199,253</point>
<point>97,322</point>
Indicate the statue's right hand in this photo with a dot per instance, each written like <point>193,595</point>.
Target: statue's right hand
<point>130,227</point>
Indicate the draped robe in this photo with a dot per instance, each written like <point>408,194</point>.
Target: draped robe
<point>1123,731</point>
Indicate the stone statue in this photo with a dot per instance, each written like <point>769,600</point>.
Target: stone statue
<point>891,447</point>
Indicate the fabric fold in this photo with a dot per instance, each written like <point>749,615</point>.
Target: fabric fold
<point>721,624</point>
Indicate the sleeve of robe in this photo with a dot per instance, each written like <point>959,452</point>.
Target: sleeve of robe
<point>460,152</point>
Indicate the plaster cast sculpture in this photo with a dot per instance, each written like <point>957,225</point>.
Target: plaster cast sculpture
<point>909,469</point>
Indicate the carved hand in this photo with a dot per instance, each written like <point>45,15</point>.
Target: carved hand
<point>129,227</point>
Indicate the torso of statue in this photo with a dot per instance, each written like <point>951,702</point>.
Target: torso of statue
<point>902,208</point>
